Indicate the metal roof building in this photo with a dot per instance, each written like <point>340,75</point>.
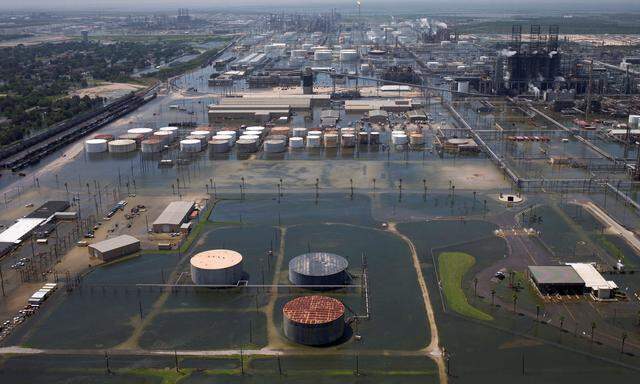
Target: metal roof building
<point>19,230</point>
<point>48,209</point>
<point>114,248</point>
<point>556,279</point>
<point>173,216</point>
<point>593,280</point>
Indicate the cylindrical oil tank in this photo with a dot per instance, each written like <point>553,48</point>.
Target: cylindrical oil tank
<point>399,139</point>
<point>634,121</point>
<point>95,145</point>
<point>314,141</point>
<point>307,47</point>
<point>247,146</point>
<point>136,137</point>
<point>173,130</point>
<point>274,146</point>
<point>278,137</point>
<point>416,139</point>
<point>319,269</point>
<point>247,136</point>
<point>190,145</point>
<point>348,140</point>
<point>374,138</point>
<point>165,137</point>
<point>230,138</point>
<point>146,132</point>
<point>313,320</point>
<point>205,135</point>
<point>299,132</point>
<point>284,131</point>
<point>219,145</point>
<point>323,55</point>
<point>122,146</point>
<point>104,137</point>
<point>151,146</point>
<point>216,267</point>
<point>314,133</point>
<point>255,130</point>
<point>296,142</point>
<point>203,140</point>
<point>331,140</point>
<point>229,133</point>
<point>363,137</point>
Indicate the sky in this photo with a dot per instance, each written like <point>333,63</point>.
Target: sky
<point>371,5</point>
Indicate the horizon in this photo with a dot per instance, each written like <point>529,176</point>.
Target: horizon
<point>368,6</point>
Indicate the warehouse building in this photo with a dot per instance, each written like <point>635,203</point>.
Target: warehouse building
<point>572,279</point>
<point>173,216</point>
<point>556,279</point>
<point>49,209</point>
<point>114,248</point>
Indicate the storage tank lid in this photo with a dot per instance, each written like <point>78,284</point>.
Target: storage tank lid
<point>216,259</point>
<point>313,309</point>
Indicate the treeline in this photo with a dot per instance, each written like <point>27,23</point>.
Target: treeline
<point>35,81</point>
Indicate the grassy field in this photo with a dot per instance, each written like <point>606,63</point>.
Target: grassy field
<point>452,268</point>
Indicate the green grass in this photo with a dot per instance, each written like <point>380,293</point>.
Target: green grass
<point>452,268</point>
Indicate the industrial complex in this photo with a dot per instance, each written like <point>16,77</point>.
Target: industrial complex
<point>349,194</point>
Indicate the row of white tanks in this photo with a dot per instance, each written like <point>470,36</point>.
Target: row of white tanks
<point>144,138</point>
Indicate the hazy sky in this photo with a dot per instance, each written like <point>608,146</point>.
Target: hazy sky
<point>372,5</point>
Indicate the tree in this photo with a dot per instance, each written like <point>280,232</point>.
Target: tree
<point>493,297</point>
<point>515,301</point>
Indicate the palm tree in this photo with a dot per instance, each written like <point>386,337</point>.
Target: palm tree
<point>624,338</point>
<point>493,297</point>
<point>515,301</point>
<point>562,323</point>
<point>593,328</point>
<point>475,286</point>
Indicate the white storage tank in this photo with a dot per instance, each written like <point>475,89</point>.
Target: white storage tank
<point>122,146</point>
<point>173,130</point>
<point>247,146</point>
<point>374,138</point>
<point>250,137</point>
<point>274,146</point>
<point>313,141</point>
<point>634,121</point>
<point>299,132</point>
<point>165,137</point>
<point>230,138</point>
<point>216,267</point>
<point>330,140</point>
<point>296,142</point>
<point>255,130</point>
<point>145,132</point>
<point>314,133</point>
<point>348,140</point>
<point>229,132</point>
<point>190,145</point>
<point>219,145</point>
<point>151,146</point>
<point>95,145</point>
<point>399,139</point>
<point>205,135</point>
